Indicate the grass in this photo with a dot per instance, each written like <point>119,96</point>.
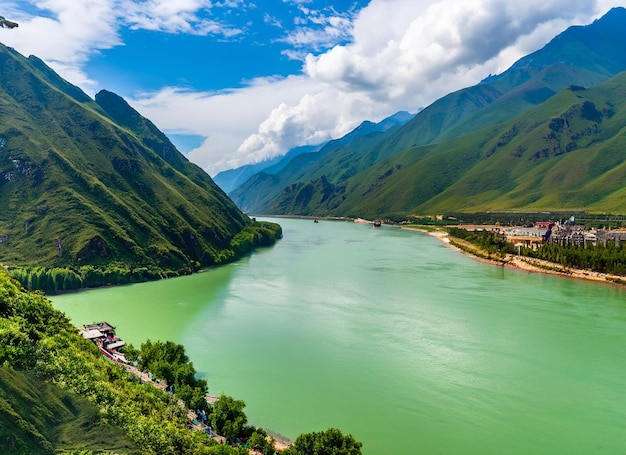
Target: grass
<point>37,417</point>
<point>565,154</point>
<point>77,169</point>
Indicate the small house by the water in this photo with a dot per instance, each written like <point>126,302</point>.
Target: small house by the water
<point>103,335</point>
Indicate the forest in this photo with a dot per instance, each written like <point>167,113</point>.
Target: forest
<point>66,278</point>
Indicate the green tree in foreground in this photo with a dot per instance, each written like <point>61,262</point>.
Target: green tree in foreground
<point>329,442</point>
<point>168,361</point>
<point>228,418</point>
<point>260,442</point>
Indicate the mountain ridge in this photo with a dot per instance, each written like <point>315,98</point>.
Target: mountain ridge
<point>567,153</point>
<point>231,179</point>
<point>92,182</point>
<point>576,57</point>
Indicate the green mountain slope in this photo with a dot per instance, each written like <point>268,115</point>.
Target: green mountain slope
<point>263,188</point>
<point>37,417</point>
<point>569,153</point>
<point>584,56</point>
<point>87,181</point>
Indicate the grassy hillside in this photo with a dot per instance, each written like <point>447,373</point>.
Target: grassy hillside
<point>569,153</point>
<point>46,365</point>
<point>92,182</point>
<point>37,417</point>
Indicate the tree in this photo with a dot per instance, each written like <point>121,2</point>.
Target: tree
<point>228,418</point>
<point>259,441</point>
<point>15,346</point>
<point>168,361</point>
<point>329,442</point>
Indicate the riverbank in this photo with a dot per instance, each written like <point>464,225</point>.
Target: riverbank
<point>522,262</point>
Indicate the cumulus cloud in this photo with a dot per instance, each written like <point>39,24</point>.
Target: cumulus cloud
<point>65,33</point>
<point>225,118</point>
<point>405,57</point>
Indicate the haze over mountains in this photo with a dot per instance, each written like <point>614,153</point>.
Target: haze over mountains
<point>86,181</point>
<point>528,139</point>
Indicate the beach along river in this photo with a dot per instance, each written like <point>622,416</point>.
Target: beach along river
<point>388,335</point>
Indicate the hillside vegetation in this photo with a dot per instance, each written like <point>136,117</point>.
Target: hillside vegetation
<point>37,417</point>
<point>92,183</point>
<point>46,366</point>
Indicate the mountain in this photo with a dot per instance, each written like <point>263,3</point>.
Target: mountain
<point>231,179</point>
<point>569,153</point>
<point>263,187</point>
<point>581,56</point>
<point>90,181</point>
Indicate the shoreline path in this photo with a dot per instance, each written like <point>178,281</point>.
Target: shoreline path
<point>280,442</point>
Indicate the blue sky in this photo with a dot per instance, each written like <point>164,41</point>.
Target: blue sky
<point>234,82</point>
<point>248,42</point>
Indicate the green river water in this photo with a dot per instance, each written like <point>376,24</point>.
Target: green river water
<point>388,335</point>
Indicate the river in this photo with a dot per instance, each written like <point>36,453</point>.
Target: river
<point>388,335</point>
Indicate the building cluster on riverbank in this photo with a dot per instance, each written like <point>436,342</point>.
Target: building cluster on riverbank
<point>563,234</point>
<point>103,335</point>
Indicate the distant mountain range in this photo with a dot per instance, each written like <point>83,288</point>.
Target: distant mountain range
<point>86,181</point>
<point>531,138</point>
<point>233,178</point>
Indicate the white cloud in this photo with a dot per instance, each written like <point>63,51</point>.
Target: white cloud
<point>443,38</point>
<point>319,29</point>
<point>67,33</point>
<point>225,118</point>
<point>67,39</point>
<point>181,16</point>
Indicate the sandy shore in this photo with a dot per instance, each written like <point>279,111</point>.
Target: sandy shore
<point>529,264</point>
<point>280,442</point>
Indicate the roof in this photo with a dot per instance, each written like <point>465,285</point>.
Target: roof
<point>117,344</point>
<point>530,232</point>
<point>91,334</point>
<point>102,326</point>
